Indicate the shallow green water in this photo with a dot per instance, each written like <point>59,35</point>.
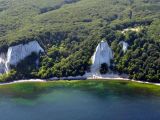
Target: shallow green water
<point>75,103</point>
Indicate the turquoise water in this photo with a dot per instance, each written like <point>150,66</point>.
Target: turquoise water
<point>76,104</point>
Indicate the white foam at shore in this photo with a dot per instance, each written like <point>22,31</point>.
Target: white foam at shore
<point>22,81</point>
<point>40,80</point>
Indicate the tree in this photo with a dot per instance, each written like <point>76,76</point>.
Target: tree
<point>104,68</point>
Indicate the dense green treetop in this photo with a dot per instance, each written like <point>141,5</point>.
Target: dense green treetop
<point>70,30</point>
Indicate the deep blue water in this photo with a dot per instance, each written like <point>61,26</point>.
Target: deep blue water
<point>73,104</point>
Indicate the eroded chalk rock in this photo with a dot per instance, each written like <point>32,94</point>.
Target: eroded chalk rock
<point>103,54</point>
<point>17,53</point>
<point>124,46</point>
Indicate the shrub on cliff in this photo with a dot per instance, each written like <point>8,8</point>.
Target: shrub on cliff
<point>104,68</point>
<point>10,76</point>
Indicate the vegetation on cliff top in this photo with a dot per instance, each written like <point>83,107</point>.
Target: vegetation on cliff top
<point>69,31</point>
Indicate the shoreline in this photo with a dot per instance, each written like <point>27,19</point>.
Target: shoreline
<point>23,81</point>
<point>44,80</point>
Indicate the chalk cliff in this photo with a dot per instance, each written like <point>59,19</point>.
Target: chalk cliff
<point>2,63</point>
<point>103,54</point>
<point>124,46</point>
<point>17,53</point>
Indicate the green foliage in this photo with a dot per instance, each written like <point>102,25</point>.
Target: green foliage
<point>8,76</point>
<point>104,68</point>
<point>70,32</point>
<point>27,67</point>
<point>141,61</point>
<point>36,17</point>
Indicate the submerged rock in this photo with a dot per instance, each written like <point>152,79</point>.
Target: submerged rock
<point>17,53</point>
<point>103,54</point>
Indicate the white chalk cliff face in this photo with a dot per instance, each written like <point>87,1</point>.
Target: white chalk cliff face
<point>103,54</point>
<point>2,63</point>
<point>124,46</point>
<point>17,53</point>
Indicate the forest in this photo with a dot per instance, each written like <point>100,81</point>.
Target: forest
<point>70,30</point>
